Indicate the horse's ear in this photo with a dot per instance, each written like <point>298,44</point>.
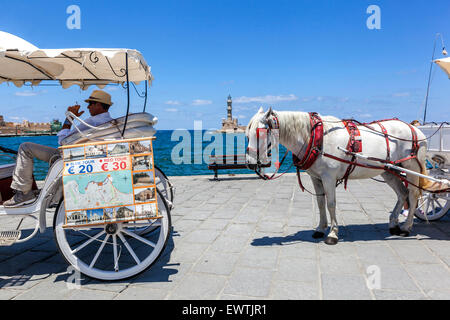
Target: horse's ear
<point>261,110</point>
<point>268,113</point>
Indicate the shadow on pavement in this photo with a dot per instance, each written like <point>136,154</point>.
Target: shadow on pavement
<point>363,232</point>
<point>23,265</point>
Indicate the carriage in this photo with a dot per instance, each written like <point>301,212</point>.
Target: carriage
<point>434,206</point>
<point>112,219</point>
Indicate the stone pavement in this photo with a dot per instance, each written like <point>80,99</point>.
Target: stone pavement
<point>244,238</point>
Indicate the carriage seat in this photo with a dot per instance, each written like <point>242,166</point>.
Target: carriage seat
<point>6,170</point>
<point>139,125</point>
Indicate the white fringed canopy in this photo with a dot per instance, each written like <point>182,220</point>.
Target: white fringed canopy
<point>444,64</point>
<point>21,62</point>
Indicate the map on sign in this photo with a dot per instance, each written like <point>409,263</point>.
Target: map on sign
<point>109,183</point>
<point>98,190</point>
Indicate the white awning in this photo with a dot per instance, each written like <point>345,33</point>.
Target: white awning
<point>21,62</point>
<point>444,64</point>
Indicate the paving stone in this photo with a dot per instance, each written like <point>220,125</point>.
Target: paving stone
<point>345,287</point>
<point>398,295</point>
<point>219,263</point>
<point>259,257</point>
<point>377,253</point>
<point>289,290</point>
<point>229,243</point>
<point>8,294</point>
<point>415,254</point>
<point>249,282</point>
<point>339,264</point>
<point>392,277</point>
<point>188,252</point>
<point>141,293</point>
<point>202,236</point>
<point>297,269</point>
<point>214,224</point>
<point>430,276</point>
<point>199,287</point>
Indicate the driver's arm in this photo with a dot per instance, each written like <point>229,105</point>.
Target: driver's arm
<point>65,130</point>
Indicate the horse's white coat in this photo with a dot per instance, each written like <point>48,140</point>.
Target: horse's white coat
<point>294,133</point>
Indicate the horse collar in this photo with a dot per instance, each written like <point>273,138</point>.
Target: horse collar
<point>315,144</point>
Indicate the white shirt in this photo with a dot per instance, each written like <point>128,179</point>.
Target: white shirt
<point>93,121</point>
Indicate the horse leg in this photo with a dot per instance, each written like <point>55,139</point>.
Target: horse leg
<point>320,197</point>
<point>329,186</point>
<point>413,196</point>
<point>402,193</point>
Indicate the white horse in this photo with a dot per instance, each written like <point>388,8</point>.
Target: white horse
<point>295,133</point>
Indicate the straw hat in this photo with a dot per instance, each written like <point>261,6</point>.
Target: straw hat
<point>100,96</point>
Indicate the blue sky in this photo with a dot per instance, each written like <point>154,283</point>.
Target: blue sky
<point>292,55</point>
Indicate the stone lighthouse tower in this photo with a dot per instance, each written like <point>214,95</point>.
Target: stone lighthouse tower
<point>229,124</point>
<point>230,109</point>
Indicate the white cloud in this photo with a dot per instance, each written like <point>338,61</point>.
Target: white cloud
<point>171,109</point>
<point>173,102</point>
<point>266,99</point>
<point>27,93</point>
<point>200,102</point>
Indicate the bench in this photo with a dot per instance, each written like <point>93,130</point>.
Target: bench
<point>216,163</point>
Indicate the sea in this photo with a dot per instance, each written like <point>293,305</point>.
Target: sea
<point>175,153</point>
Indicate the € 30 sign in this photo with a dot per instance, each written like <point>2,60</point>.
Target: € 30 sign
<point>97,165</point>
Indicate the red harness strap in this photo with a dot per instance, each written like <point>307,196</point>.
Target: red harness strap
<point>313,149</point>
<point>314,145</point>
<point>354,142</point>
<point>386,136</point>
<point>354,145</point>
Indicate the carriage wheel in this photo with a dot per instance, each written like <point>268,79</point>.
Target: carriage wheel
<point>432,206</point>
<point>164,185</point>
<point>115,251</point>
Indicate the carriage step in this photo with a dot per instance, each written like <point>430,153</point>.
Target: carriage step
<point>8,238</point>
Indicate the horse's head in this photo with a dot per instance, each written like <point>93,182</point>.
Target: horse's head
<point>262,135</point>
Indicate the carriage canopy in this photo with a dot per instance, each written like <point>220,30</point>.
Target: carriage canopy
<point>23,63</point>
<point>444,64</point>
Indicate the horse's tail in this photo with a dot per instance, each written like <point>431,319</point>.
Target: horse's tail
<point>425,183</point>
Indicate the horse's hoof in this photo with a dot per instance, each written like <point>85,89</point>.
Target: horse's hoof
<point>331,241</point>
<point>396,231</point>
<point>318,235</point>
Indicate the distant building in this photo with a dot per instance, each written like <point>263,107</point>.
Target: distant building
<point>25,127</point>
<point>231,124</point>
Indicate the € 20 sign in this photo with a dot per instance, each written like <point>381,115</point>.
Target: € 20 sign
<point>97,165</point>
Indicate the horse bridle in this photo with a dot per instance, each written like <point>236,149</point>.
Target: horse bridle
<point>270,122</point>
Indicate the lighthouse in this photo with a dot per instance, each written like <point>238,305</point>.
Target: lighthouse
<point>230,109</point>
<point>229,124</point>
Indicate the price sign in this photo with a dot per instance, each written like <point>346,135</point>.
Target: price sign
<point>97,165</point>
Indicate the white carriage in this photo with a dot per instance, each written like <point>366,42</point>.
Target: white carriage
<point>112,249</point>
<point>433,206</point>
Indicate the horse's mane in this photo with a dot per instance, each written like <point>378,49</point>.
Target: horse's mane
<point>294,124</point>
